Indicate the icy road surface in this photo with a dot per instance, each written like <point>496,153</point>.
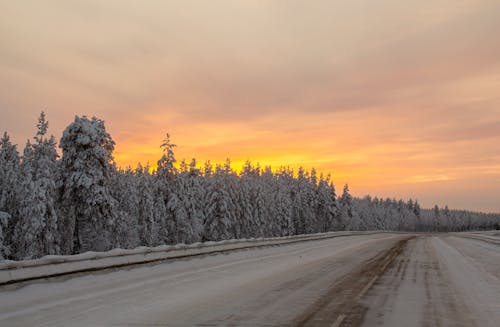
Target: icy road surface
<point>369,280</point>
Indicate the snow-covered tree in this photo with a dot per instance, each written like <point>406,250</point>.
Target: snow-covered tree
<point>4,249</point>
<point>10,192</point>
<point>326,208</point>
<point>346,208</point>
<point>283,203</point>
<point>27,241</point>
<point>36,232</point>
<point>148,213</point>
<point>88,209</point>
<point>125,190</point>
<point>312,222</point>
<point>299,200</point>
<point>84,202</point>
<point>220,212</point>
<point>166,168</point>
<point>165,181</point>
<point>189,210</point>
<point>437,219</point>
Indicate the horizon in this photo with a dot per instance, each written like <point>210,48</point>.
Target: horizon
<point>396,100</point>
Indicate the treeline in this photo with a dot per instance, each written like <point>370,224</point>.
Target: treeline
<point>397,215</point>
<point>81,201</point>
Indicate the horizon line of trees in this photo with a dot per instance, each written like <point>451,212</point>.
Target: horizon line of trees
<point>81,201</point>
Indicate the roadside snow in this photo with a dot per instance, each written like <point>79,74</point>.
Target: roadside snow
<point>14,271</point>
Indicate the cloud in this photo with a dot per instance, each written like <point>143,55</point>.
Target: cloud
<point>378,93</point>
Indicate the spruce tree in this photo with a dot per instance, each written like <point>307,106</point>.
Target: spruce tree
<point>326,205</point>
<point>4,249</point>
<point>37,228</point>
<point>10,192</point>
<point>346,208</point>
<point>88,209</point>
<point>125,190</point>
<point>220,213</point>
<point>148,224</point>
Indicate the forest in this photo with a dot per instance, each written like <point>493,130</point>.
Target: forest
<point>78,200</point>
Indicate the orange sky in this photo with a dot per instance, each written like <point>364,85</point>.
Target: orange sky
<point>398,98</point>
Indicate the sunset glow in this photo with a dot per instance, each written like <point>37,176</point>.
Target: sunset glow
<point>396,98</point>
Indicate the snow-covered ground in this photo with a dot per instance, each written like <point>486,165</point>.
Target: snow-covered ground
<point>436,280</point>
<point>439,281</point>
<point>51,265</point>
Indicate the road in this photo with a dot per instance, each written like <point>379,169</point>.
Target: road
<point>365,280</point>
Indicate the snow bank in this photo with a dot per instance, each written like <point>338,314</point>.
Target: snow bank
<point>52,266</point>
<point>490,237</point>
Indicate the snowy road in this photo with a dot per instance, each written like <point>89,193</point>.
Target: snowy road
<point>369,280</point>
<point>439,281</point>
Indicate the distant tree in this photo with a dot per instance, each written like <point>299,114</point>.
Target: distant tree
<point>299,199</point>
<point>256,199</point>
<point>166,168</point>
<point>244,207</point>
<point>312,221</point>
<point>448,219</point>
<point>283,202</point>
<point>437,222</point>
<point>326,207</point>
<point>346,208</point>
<point>271,220</point>
<point>416,209</point>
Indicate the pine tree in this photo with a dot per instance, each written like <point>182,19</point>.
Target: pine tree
<point>346,208</point>
<point>220,213</point>
<point>124,189</point>
<point>180,228</point>
<point>254,197</point>
<point>299,201</point>
<point>166,168</point>
<point>148,224</point>
<point>285,201</point>
<point>326,207</point>
<point>244,205</point>
<point>28,243</point>
<point>4,249</point>
<point>38,211</point>
<point>192,190</point>
<point>10,193</point>
<point>160,233</point>
<point>436,222</point>
<point>86,202</point>
<point>448,218</point>
<point>165,183</point>
<point>310,191</point>
<point>269,184</point>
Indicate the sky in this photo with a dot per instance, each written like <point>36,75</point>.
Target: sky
<point>396,98</point>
